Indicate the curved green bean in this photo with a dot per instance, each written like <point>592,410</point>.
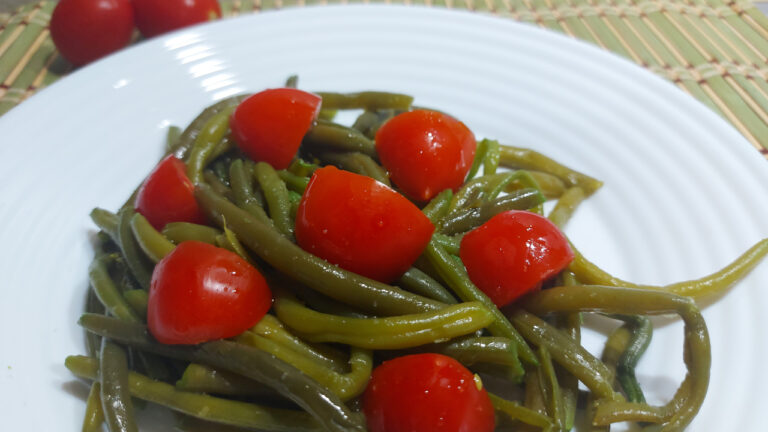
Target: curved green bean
<point>356,162</point>
<point>206,143</point>
<point>480,150</point>
<point>322,404</point>
<point>94,412</point>
<point>439,206</point>
<point>115,392</point>
<point>187,138</point>
<point>315,273</point>
<point>521,158</point>
<point>481,349</point>
<point>276,194</point>
<point>384,333</point>
<point>107,292</point>
<point>467,219</point>
<point>178,232</point>
<point>335,137</point>
<point>153,243</point>
<point>294,182</point>
<point>708,286</point>
<point>137,262</point>
<point>203,406</point>
<point>106,221</point>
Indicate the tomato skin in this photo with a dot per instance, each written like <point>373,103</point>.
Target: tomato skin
<point>167,195</point>
<point>200,292</point>
<point>513,253</point>
<point>154,17</point>
<point>426,152</point>
<point>85,30</point>
<point>426,393</point>
<point>269,126</point>
<point>360,224</point>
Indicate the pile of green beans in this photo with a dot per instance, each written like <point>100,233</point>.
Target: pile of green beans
<point>305,365</point>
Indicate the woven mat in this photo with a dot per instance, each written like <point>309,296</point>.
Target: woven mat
<point>715,50</point>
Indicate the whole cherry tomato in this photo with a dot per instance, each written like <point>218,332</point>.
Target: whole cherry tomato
<point>154,17</point>
<point>425,152</point>
<point>269,126</point>
<point>200,293</point>
<point>168,195</point>
<point>426,393</point>
<point>85,30</point>
<point>360,224</point>
<point>513,253</point>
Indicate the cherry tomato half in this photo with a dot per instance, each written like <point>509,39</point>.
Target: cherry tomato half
<point>200,293</point>
<point>168,195</point>
<point>269,126</point>
<point>154,17</point>
<point>360,224</point>
<point>85,30</point>
<point>426,393</point>
<point>513,253</point>
<point>425,152</point>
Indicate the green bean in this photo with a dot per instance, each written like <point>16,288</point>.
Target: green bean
<point>93,305</point>
<point>480,151</point>
<point>551,388</point>
<point>706,287</point>
<point>534,394</point>
<point>492,157</point>
<point>229,241</point>
<point>206,144</point>
<point>367,100</point>
<point>641,332</point>
<point>178,232</point>
<point>356,162</point>
<point>566,205</point>
<point>115,393</point>
<point>452,244</point>
<point>420,283</point>
<point>294,183</point>
<point>276,194</point>
<point>203,406</point>
<point>271,328</point>
<point>572,356</point>
<point>403,331</point>
<point>455,276</point>
<point>325,304</point>
<point>106,221</point>
<point>245,196</point>
<point>471,350</point>
<point>551,186</point>
<point>627,301</point>
<point>138,299</point>
<point>106,290</point>
<point>94,412</point>
<point>302,168</point>
<point>467,219</point>
<point>247,361</point>
<point>172,136</point>
<point>345,386</point>
<point>217,184</point>
<point>205,379</point>
<point>154,244</point>
<point>134,257</point>
<point>438,207</point>
<point>292,81</point>
<point>520,158</point>
<point>522,414</point>
<point>335,137</point>
<point>316,273</point>
<point>365,121</point>
<point>190,134</point>
<point>570,323</point>
<point>470,193</point>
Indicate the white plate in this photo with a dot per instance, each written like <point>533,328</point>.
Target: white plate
<point>684,193</point>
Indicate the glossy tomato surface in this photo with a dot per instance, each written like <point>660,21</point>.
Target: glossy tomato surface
<point>201,293</point>
<point>360,224</point>
<point>269,126</point>
<point>154,17</point>
<point>167,195</point>
<point>513,253</point>
<point>426,393</point>
<point>85,30</point>
<point>425,152</point>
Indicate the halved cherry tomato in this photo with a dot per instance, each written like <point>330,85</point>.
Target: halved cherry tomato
<point>360,224</point>
<point>426,393</point>
<point>513,253</point>
<point>167,195</point>
<point>154,17</point>
<point>426,152</point>
<point>200,293</point>
<point>269,126</point>
<point>85,30</point>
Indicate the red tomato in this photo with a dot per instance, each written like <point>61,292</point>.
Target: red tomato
<point>85,30</point>
<point>168,195</point>
<point>270,125</point>
<point>360,224</point>
<point>154,17</point>
<point>425,152</point>
<point>200,293</point>
<point>513,253</point>
<point>426,393</point>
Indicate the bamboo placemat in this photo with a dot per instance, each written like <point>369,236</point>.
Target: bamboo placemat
<point>715,50</point>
